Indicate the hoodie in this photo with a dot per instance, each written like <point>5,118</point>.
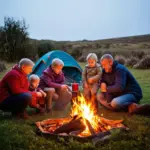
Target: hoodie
<point>14,82</point>
<point>120,81</point>
<point>50,79</point>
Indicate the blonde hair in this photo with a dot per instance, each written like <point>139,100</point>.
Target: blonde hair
<point>34,77</point>
<point>57,62</point>
<point>92,56</point>
<point>25,61</point>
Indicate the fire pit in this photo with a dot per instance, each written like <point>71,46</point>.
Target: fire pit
<point>82,123</point>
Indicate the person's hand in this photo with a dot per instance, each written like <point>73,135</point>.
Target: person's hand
<point>43,93</point>
<point>103,87</point>
<point>64,87</point>
<point>90,80</point>
<point>39,94</point>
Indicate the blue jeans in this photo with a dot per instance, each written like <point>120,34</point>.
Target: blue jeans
<point>16,103</point>
<point>117,103</point>
<point>123,101</point>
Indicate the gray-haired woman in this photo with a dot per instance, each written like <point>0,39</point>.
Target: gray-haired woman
<point>52,82</point>
<point>14,94</point>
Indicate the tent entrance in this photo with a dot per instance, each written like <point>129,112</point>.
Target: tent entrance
<point>72,75</point>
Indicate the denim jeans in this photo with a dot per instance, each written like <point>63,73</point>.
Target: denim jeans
<point>117,103</point>
<point>123,101</point>
<point>16,103</point>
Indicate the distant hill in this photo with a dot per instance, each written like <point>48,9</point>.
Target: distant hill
<point>122,45</point>
<point>129,39</point>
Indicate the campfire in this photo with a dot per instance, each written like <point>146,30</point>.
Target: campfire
<point>83,122</point>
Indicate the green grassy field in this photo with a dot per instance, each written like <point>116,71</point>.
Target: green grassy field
<point>20,134</point>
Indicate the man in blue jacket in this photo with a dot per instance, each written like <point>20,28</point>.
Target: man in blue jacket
<point>119,88</point>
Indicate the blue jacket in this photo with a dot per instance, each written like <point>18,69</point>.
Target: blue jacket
<point>120,81</point>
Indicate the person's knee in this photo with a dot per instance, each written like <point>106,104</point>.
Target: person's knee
<point>50,90</point>
<point>115,104</point>
<point>55,96</point>
<point>27,96</point>
<point>70,94</point>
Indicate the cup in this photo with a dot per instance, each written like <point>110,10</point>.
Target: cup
<point>75,87</point>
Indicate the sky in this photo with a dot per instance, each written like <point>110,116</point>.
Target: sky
<point>80,19</point>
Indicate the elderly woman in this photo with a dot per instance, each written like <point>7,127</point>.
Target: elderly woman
<point>52,82</point>
<point>14,94</point>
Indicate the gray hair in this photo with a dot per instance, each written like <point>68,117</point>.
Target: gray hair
<point>26,61</point>
<point>92,56</point>
<point>57,62</point>
<point>107,56</point>
<point>34,77</point>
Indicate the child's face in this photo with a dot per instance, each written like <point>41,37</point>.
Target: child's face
<point>34,84</point>
<point>57,69</point>
<point>91,62</point>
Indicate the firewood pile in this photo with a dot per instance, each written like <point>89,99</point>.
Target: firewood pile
<point>82,123</point>
<point>77,126</point>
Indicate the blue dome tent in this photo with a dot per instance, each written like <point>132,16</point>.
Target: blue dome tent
<point>71,69</point>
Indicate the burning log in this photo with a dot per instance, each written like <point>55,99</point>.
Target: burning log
<point>110,122</point>
<point>73,125</point>
<point>75,133</point>
<point>101,128</point>
<point>50,125</point>
<point>91,129</point>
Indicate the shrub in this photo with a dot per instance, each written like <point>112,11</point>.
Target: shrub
<point>121,59</point>
<point>76,53</point>
<point>107,45</point>
<point>44,47</point>
<point>99,54</point>
<point>2,66</point>
<point>13,36</point>
<point>144,63</point>
<point>82,59</point>
<point>138,54</point>
<point>131,61</point>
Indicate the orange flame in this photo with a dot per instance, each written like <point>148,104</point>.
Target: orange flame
<point>84,109</point>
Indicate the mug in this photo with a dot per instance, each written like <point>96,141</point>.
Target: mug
<point>75,87</point>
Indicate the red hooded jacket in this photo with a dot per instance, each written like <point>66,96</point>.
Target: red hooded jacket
<point>14,82</point>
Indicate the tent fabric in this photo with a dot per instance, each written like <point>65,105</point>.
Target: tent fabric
<point>72,70</point>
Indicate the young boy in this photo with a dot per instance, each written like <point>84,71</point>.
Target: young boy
<point>90,77</point>
<point>38,96</point>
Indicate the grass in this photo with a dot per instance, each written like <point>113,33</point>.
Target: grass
<point>20,134</point>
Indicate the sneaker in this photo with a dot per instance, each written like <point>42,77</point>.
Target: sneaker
<point>132,108</point>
